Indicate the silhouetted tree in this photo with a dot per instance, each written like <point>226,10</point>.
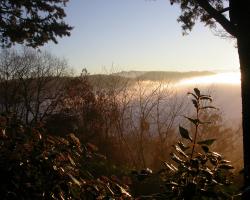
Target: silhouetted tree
<point>31,84</point>
<point>32,22</point>
<point>234,17</point>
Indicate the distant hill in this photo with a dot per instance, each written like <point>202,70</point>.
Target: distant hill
<point>161,75</point>
<point>130,74</point>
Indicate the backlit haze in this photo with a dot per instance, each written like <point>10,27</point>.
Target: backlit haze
<point>139,35</point>
<point>224,87</point>
<point>229,78</point>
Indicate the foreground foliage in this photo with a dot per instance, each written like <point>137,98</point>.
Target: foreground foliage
<point>195,170</point>
<point>198,172</point>
<point>38,165</point>
<point>34,165</point>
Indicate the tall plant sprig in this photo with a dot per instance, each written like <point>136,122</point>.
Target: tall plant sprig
<point>197,172</point>
<point>198,100</point>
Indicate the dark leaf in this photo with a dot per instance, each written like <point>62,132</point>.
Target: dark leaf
<point>214,182</point>
<point>169,167</point>
<point>204,97</point>
<point>173,167</point>
<point>71,160</point>
<point>197,92</point>
<point>179,150</point>
<point>207,142</point>
<point>207,172</point>
<point>217,155</point>
<point>195,102</point>
<point>194,121</point>
<point>173,184</point>
<point>122,191</point>
<point>146,171</point>
<point>226,166</point>
<point>225,162</point>
<point>176,158</point>
<point>205,148</point>
<point>184,133</point>
<point>213,160</point>
<point>182,146</point>
<point>207,107</point>
<point>74,180</point>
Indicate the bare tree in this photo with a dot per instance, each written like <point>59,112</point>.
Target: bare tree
<point>31,83</point>
<point>151,114</point>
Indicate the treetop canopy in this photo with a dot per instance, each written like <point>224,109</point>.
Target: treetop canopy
<point>209,12</point>
<point>32,22</point>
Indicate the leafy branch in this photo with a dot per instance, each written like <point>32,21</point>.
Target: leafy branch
<point>196,171</point>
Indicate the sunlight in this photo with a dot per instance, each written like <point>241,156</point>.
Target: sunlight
<point>221,78</point>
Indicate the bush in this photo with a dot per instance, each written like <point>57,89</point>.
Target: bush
<point>197,172</point>
<point>35,165</point>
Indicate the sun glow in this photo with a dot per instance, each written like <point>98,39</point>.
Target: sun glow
<point>221,78</point>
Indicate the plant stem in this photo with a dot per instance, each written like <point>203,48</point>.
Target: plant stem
<point>196,128</point>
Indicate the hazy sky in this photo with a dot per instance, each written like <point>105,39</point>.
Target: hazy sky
<point>139,35</point>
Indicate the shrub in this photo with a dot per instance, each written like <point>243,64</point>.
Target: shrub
<point>34,165</point>
<point>197,172</point>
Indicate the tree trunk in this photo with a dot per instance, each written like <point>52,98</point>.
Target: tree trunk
<point>244,56</point>
<point>241,17</point>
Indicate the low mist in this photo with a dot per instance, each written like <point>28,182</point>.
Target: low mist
<point>223,87</point>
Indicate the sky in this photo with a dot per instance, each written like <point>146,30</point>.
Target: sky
<point>116,35</point>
